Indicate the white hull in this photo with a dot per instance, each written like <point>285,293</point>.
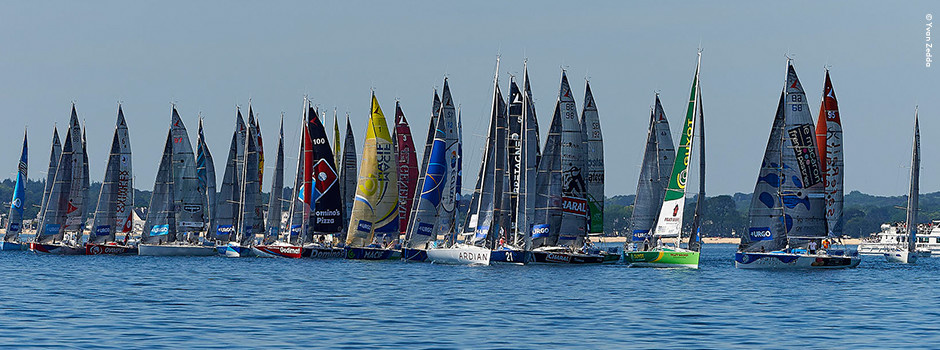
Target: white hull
<point>785,261</point>
<point>901,256</point>
<point>175,250</point>
<point>460,255</point>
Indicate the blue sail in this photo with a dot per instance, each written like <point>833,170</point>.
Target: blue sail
<point>19,197</point>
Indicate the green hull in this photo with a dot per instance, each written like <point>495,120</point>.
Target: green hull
<point>662,258</point>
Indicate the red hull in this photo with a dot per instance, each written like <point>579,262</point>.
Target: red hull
<point>283,251</point>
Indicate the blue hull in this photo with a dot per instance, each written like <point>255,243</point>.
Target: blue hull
<point>365,253</point>
<point>418,255</point>
<point>234,251</point>
<point>505,256</point>
<point>13,246</point>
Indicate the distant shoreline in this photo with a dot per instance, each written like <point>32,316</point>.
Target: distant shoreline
<point>715,240</point>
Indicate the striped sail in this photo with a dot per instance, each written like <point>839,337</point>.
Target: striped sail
<point>66,199</point>
<point>375,211</point>
<point>347,172</point>
<point>50,173</point>
<point>425,217</point>
<point>407,167</point>
<point>594,162</point>
<point>788,199</point>
<point>15,219</point>
<point>160,226</point>
<point>115,212</point>
<point>914,193</point>
<point>229,197</point>
<point>669,223</point>
<point>327,201</point>
<point>205,171</point>
<point>276,199</point>
<point>251,219</point>
<point>657,164</point>
<point>829,141</point>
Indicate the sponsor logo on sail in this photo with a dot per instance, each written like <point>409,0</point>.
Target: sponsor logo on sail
<point>425,229</point>
<point>103,230</point>
<point>364,226</point>
<point>539,231</point>
<point>760,233</point>
<point>159,230</point>
<point>574,205</point>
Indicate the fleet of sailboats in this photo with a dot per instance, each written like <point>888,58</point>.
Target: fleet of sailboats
<point>532,202</point>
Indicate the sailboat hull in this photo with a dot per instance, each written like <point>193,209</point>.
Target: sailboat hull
<point>508,256</point>
<point>780,260</point>
<point>675,259</point>
<point>901,257</point>
<point>323,252</point>
<point>278,251</point>
<point>460,255</point>
<point>366,253</point>
<point>55,248</point>
<point>547,257</point>
<point>175,250</point>
<point>418,255</point>
<point>109,249</point>
<point>233,250</point>
<point>13,246</point>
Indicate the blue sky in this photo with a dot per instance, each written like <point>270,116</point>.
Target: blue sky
<point>209,56</point>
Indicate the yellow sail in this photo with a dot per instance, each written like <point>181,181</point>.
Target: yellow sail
<point>375,209</point>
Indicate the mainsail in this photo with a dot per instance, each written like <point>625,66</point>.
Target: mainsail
<point>531,108</point>
<point>657,164</point>
<point>160,226</point>
<point>447,212</point>
<point>914,193</point>
<point>695,236</point>
<point>829,141</point>
<point>669,223</point>
<point>65,204</point>
<point>190,218</point>
<point>230,193</point>
<point>299,201</point>
<point>407,167</point>
<point>15,219</point>
<point>788,198</point>
<point>115,212</point>
<point>425,217</point>
<point>347,173</point>
<point>337,151</point>
<point>251,219</point>
<point>276,199</point>
<point>594,162</point>
<point>528,166</point>
<point>573,228</point>
<point>50,173</point>
<point>485,212</point>
<point>327,202</point>
<point>205,170</point>
<point>375,211</point>
<point>514,160</point>
<point>547,216</point>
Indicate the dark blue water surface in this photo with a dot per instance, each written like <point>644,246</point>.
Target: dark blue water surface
<point>214,302</point>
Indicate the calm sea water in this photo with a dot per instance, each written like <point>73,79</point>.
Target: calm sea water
<point>158,302</point>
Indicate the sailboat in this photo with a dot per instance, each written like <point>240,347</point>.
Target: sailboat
<point>520,172</point>
<point>14,226</point>
<point>325,222</point>
<point>482,226</point>
<point>291,245</point>
<point>276,197</point>
<point>347,174</point>
<point>904,253</point>
<point>66,204</point>
<point>54,155</point>
<point>663,248</point>
<point>374,217</point>
<point>559,231</point>
<point>250,217</point>
<point>435,207</point>
<point>788,213</point>
<point>115,212</point>
<point>593,140</point>
<point>205,171</point>
<point>176,212</point>
<point>226,205</point>
<point>404,147</point>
